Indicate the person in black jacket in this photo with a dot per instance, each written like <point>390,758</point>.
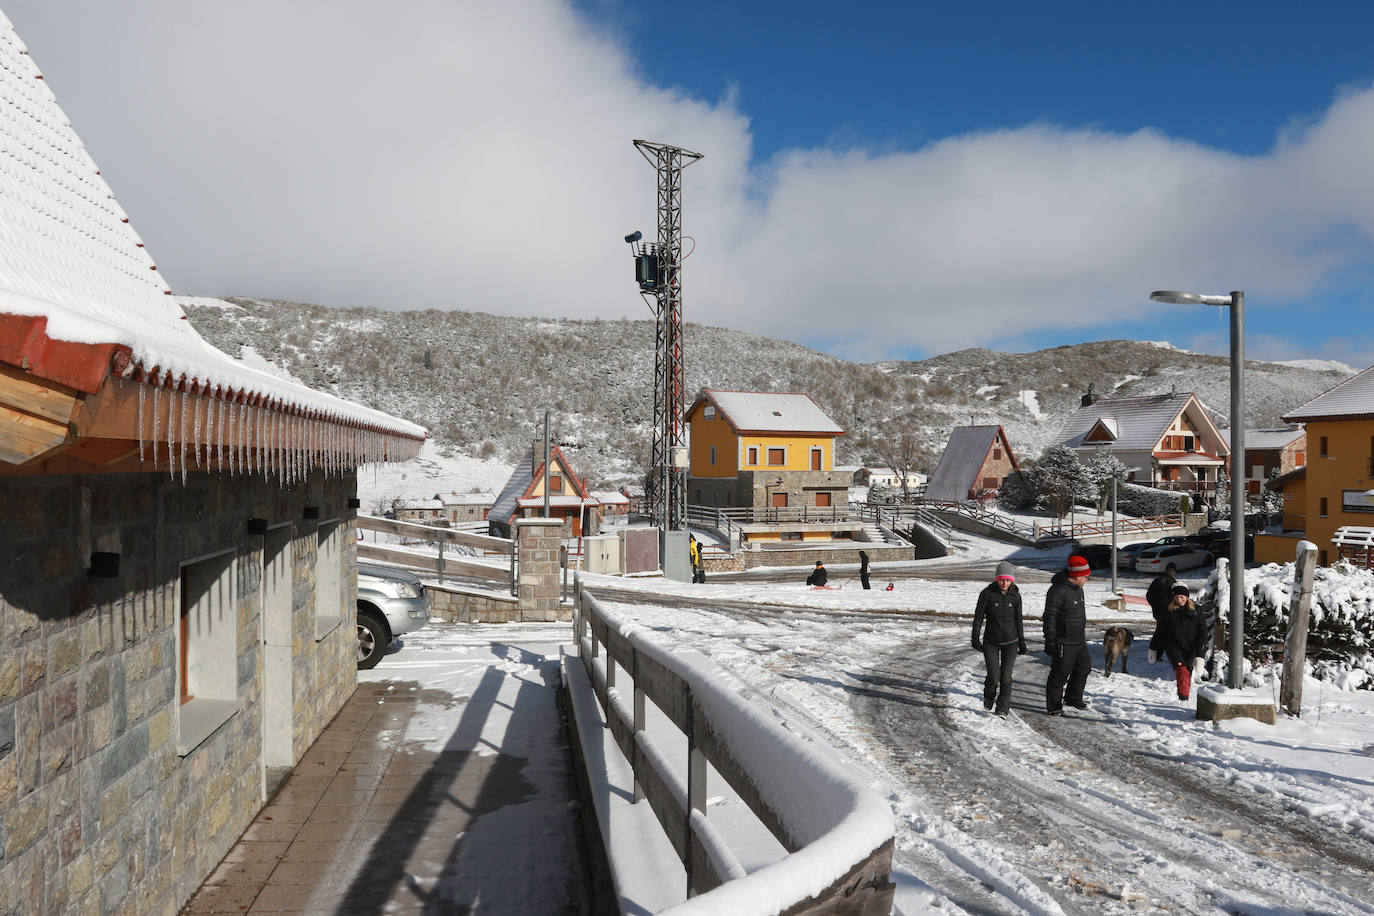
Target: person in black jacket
<point>1065,624</point>
<point>1184,633</point>
<point>818,576</point>
<point>1160,595</point>
<point>998,634</point>
<point>863,568</point>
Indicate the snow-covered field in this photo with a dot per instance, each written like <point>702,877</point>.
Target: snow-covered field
<point>818,658</point>
<point>1131,805</point>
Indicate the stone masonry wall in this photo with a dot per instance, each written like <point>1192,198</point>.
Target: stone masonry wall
<point>98,813</point>
<point>538,541</point>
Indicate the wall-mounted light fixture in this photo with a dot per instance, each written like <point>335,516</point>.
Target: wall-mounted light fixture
<point>312,511</point>
<point>354,502</point>
<point>257,526</point>
<point>104,565</point>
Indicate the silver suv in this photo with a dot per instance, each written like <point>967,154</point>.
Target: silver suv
<point>390,602</point>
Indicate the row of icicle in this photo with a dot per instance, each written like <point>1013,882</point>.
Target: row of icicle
<point>231,436</point>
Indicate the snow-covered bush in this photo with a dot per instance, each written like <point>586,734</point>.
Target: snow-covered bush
<point>1017,491</point>
<point>1144,502</point>
<point>1340,631</point>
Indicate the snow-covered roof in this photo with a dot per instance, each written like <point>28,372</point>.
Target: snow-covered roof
<point>1138,422</point>
<point>1351,399</point>
<point>770,412</point>
<point>89,303</point>
<point>610,497</point>
<point>562,500</point>
<point>416,505</point>
<point>963,458</point>
<point>1268,438</point>
<point>468,499</point>
<point>521,482</point>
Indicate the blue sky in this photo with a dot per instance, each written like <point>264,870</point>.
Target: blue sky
<point>903,74</point>
<point>890,181</point>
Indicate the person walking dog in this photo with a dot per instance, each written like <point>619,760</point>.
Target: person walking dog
<point>1184,634</point>
<point>1065,626</point>
<point>999,634</point>
<point>863,568</point>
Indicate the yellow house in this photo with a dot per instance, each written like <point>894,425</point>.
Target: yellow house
<point>761,449</point>
<point>1330,502</point>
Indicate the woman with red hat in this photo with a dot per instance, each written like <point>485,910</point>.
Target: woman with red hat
<point>1065,625</point>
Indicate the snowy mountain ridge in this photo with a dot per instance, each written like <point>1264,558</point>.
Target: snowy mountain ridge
<point>481,382</point>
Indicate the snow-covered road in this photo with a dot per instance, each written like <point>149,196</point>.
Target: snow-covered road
<point>1129,806</point>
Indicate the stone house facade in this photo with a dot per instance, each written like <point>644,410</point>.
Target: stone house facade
<point>177,567</point>
<point>116,792</point>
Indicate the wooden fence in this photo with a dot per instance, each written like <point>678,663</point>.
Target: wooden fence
<point>452,565</point>
<point>838,834</point>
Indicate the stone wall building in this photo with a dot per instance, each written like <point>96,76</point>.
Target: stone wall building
<point>177,622</point>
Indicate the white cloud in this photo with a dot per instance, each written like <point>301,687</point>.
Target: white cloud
<point>478,155</point>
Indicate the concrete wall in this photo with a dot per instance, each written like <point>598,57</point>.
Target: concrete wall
<point>98,810</point>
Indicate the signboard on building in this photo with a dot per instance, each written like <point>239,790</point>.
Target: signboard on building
<point>1357,500</point>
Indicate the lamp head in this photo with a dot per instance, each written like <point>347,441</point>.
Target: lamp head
<point>634,236</point>
<point>1177,297</point>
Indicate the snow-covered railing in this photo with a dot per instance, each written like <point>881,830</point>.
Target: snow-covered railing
<point>1124,526</point>
<point>838,835</point>
<point>501,549</point>
<point>891,516</point>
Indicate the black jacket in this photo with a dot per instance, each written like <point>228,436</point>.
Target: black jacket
<point>997,619</point>
<point>1066,619</point>
<point>1159,594</point>
<point>818,576</point>
<point>1184,633</point>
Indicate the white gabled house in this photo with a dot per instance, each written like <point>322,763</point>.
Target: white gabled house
<point>1170,438</point>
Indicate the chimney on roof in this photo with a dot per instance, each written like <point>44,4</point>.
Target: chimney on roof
<point>1088,397</point>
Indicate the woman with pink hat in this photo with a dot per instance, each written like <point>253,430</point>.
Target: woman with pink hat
<point>998,634</point>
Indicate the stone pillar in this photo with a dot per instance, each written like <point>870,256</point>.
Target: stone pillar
<point>538,540</point>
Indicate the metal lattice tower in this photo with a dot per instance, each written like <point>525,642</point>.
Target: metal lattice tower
<point>666,489</point>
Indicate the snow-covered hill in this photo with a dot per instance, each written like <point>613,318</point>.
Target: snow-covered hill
<point>481,382</point>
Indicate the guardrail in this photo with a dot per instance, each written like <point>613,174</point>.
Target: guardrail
<point>890,516</point>
<point>1146,525</point>
<point>838,835</point>
<point>451,565</point>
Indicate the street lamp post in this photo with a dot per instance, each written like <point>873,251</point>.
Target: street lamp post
<point>1116,475</point>
<point>1236,300</point>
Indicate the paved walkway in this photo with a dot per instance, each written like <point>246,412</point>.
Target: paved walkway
<point>419,798</point>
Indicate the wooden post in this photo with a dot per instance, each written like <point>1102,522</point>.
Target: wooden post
<point>1295,646</point>
<point>638,714</point>
<point>696,784</point>
<point>441,558</point>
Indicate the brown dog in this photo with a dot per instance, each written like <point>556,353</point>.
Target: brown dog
<point>1116,643</point>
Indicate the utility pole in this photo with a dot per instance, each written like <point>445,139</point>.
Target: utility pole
<point>658,269</point>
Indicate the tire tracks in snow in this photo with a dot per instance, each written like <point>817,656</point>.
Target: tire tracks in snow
<point>1084,811</point>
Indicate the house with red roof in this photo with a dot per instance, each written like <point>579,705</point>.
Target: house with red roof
<point>523,496</point>
<point>178,602</point>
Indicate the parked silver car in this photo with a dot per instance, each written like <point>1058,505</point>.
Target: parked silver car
<point>390,602</point>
